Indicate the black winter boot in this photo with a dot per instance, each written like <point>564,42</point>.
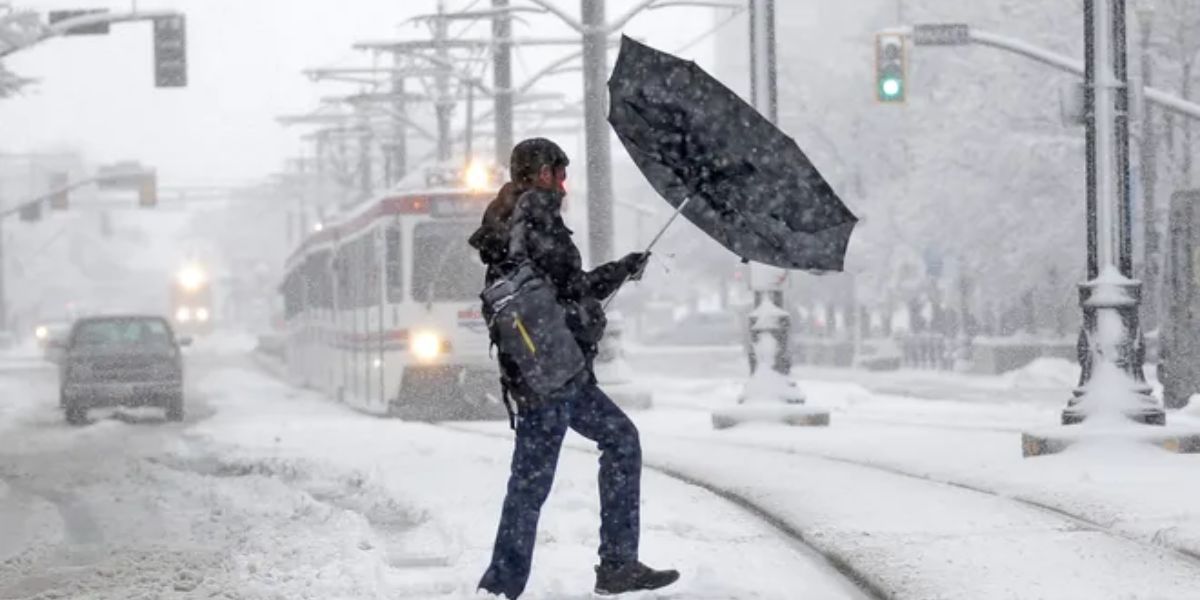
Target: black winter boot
<point>631,577</point>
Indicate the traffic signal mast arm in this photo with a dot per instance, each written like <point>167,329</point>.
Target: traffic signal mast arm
<point>927,35</point>
<point>65,26</point>
<point>142,176</point>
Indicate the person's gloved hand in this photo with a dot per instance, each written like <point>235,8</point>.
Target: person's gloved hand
<point>634,263</point>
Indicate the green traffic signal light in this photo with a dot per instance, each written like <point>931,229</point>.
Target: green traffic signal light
<point>891,88</point>
<point>890,68</point>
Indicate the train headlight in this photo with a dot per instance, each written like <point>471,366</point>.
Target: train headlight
<point>477,177</point>
<point>183,314</point>
<point>426,345</point>
<point>41,333</point>
<point>192,277</point>
<point>202,315</point>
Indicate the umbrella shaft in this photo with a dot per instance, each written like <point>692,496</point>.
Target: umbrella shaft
<point>674,216</point>
<point>654,241</point>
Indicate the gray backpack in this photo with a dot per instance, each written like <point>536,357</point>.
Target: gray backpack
<point>527,323</point>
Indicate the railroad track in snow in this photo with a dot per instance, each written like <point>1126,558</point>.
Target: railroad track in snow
<point>838,564</point>
<point>1074,518</point>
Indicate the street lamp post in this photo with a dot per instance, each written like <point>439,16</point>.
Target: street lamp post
<point>1111,347</point>
<point>1148,168</point>
<point>769,319</point>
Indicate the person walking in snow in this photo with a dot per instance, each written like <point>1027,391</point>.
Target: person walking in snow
<point>534,195</point>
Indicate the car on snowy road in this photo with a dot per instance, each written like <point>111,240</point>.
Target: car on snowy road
<point>122,360</point>
<point>51,336</point>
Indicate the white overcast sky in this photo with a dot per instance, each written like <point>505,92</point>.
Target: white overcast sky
<point>246,56</point>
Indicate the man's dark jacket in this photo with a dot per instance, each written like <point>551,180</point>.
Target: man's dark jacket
<point>550,249</point>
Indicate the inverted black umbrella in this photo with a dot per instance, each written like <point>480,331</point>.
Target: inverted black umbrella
<point>724,166</point>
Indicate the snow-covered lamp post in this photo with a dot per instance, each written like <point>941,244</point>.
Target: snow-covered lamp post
<point>1113,398</point>
<point>1111,347</point>
<point>770,394</point>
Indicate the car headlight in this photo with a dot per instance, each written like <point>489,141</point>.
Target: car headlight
<point>202,315</point>
<point>426,345</point>
<point>183,314</point>
<point>41,332</point>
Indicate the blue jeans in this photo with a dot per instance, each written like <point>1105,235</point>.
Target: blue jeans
<point>540,431</point>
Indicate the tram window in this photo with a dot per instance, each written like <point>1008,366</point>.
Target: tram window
<point>394,265</point>
<point>370,263</point>
<point>318,281</point>
<point>292,295</point>
<point>445,267</point>
<point>345,283</point>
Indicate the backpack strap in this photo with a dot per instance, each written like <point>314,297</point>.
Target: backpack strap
<point>508,404</point>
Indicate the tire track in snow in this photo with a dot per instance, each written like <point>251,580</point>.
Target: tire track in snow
<point>837,563</point>
<point>1078,520</point>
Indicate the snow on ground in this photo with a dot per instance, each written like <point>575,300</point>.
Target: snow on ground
<point>1131,499</point>
<point>269,492</point>
<point>445,489</point>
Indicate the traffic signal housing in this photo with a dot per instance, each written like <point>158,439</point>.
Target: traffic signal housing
<point>31,212</point>
<point>61,200</point>
<point>170,52</point>
<point>148,190</point>
<point>890,68</point>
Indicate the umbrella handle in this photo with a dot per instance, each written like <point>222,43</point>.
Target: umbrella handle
<point>653,242</point>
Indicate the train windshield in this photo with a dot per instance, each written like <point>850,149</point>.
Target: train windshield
<point>445,268</point>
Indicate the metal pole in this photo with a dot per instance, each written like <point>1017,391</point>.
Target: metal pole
<point>768,318</point>
<point>502,80</point>
<point>1111,340</point>
<point>364,159</point>
<point>599,155</point>
<point>1149,172</point>
<point>469,134</point>
<point>443,105</point>
<point>1105,121</point>
<point>1124,190</point>
<point>1089,99</point>
<point>399,129</point>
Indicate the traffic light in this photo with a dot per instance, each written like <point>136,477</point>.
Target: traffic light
<point>31,212</point>
<point>148,190</point>
<point>61,200</point>
<point>170,52</point>
<point>890,85</point>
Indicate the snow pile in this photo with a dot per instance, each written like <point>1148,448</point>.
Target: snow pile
<point>1043,373</point>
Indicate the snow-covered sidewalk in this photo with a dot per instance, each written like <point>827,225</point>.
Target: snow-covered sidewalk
<point>935,497</point>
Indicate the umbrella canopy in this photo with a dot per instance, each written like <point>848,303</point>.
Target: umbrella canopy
<point>746,183</point>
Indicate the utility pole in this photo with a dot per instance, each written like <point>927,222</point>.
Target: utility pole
<point>595,125</point>
<point>502,80</point>
<point>443,104</point>
<point>399,148</point>
<point>365,171</point>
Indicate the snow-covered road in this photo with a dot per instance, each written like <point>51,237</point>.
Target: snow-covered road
<point>266,491</point>
<point>269,492</point>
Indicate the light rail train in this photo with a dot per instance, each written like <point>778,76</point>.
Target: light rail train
<point>382,305</point>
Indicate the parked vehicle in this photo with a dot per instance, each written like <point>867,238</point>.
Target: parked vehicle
<point>122,360</point>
